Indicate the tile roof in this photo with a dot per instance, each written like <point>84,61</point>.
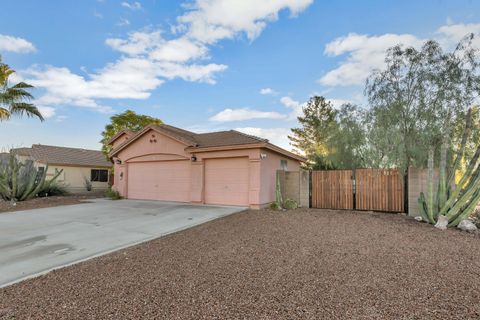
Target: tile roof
<point>207,140</point>
<point>210,139</point>
<point>64,155</point>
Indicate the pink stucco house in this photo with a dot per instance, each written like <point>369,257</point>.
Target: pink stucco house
<point>171,164</point>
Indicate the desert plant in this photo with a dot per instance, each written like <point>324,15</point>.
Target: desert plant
<point>113,194</point>
<point>275,206</point>
<point>458,204</point>
<point>87,183</point>
<point>22,180</point>
<point>278,191</point>
<point>290,204</point>
<point>53,189</point>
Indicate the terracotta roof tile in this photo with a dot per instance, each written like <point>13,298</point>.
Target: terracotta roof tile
<point>64,155</point>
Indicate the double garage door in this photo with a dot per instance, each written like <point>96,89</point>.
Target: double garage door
<point>225,181</point>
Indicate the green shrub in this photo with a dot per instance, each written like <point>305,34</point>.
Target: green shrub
<point>290,204</point>
<point>113,194</point>
<point>275,206</point>
<point>54,189</point>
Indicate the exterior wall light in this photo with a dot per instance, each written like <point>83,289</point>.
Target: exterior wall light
<point>193,158</point>
<point>118,161</point>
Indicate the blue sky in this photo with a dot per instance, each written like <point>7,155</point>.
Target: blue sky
<point>204,65</point>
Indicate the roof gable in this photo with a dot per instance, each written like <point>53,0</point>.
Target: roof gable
<point>221,139</point>
<point>118,135</point>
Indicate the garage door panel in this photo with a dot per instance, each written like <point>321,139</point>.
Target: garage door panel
<point>227,181</point>
<point>159,180</point>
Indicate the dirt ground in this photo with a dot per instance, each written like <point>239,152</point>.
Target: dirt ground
<point>46,202</point>
<point>302,264</point>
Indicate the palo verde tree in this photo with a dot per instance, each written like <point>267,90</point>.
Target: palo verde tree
<point>126,120</point>
<point>417,100</point>
<point>14,99</point>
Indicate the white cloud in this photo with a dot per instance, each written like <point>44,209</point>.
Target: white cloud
<point>267,91</point>
<point>60,118</point>
<point>132,6</point>
<point>295,106</point>
<point>47,112</point>
<point>449,35</point>
<point>123,22</point>
<point>137,43</point>
<point>15,44</point>
<point>97,14</point>
<point>277,136</point>
<point>365,53</point>
<point>209,21</point>
<point>245,114</point>
<point>149,58</point>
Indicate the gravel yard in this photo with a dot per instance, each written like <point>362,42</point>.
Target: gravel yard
<point>303,264</point>
<point>46,202</point>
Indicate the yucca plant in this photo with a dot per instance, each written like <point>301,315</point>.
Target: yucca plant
<point>21,181</point>
<point>458,204</point>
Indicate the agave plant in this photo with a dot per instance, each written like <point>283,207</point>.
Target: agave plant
<point>21,181</point>
<point>457,204</point>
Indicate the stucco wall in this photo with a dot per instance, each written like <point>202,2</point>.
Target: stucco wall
<point>121,139</point>
<point>270,165</point>
<point>153,146</point>
<point>74,178</point>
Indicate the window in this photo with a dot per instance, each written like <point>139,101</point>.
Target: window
<point>283,165</point>
<point>99,175</point>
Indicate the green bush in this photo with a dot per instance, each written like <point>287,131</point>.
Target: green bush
<point>275,206</point>
<point>113,194</point>
<point>290,204</point>
<point>54,189</point>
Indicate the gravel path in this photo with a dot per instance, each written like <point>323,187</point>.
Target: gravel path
<point>303,264</point>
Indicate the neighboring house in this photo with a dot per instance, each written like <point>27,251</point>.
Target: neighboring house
<point>79,165</point>
<point>171,164</point>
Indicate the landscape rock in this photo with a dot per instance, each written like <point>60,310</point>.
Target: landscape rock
<point>442,223</point>
<point>467,225</point>
<point>419,219</point>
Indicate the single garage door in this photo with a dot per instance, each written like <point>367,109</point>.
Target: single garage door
<point>159,180</point>
<point>226,181</point>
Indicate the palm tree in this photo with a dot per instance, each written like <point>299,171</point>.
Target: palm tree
<point>14,100</point>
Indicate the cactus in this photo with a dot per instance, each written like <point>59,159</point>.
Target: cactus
<point>278,191</point>
<point>459,204</point>
<point>21,181</point>
<point>430,203</point>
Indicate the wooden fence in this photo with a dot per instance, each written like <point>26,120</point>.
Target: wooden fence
<point>332,189</point>
<point>379,190</point>
<point>362,189</point>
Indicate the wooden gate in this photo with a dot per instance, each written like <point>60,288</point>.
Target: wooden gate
<point>374,189</point>
<point>379,190</point>
<point>332,189</point>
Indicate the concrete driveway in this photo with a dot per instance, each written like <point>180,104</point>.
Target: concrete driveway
<point>36,241</point>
